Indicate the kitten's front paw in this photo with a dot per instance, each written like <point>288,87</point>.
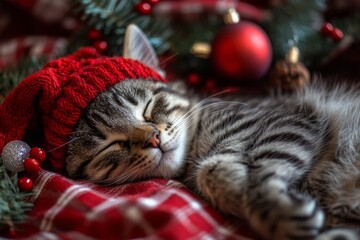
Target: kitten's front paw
<point>298,220</point>
<point>339,234</point>
<point>286,215</point>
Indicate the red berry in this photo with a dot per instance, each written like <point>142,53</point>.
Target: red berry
<point>38,153</point>
<point>327,29</point>
<point>25,183</point>
<point>152,2</point>
<point>31,165</point>
<point>337,34</point>
<point>143,8</point>
<point>193,79</point>
<point>93,34</point>
<point>11,233</point>
<point>101,46</point>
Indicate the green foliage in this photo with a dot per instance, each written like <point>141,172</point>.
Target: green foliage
<point>294,22</point>
<point>10,77</point>
<point>186,34</point>
<point>113,16</point>
<point>350,25</point>
<point>13,204</point>
<point>298,23</point>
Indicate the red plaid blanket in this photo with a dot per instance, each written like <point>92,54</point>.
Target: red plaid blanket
<point>152,209</point>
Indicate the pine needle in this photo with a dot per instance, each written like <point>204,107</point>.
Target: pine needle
<point>13,204</point>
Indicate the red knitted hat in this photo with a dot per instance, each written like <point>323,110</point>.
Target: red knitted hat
<point>48,104</point>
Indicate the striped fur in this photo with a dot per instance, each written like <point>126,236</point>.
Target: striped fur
<point>288,164</point>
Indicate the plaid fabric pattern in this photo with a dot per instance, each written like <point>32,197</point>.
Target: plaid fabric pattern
<point>22,43</point>
<point>45,10</point>
<point>13,50</point>
<point>191,8</point>
<point>151,209</point>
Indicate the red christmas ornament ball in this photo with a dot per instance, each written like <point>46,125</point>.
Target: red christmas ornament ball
<point>241,52</point>
<point>25,184</point>
<point>31,165</point>
<point>38,153</point>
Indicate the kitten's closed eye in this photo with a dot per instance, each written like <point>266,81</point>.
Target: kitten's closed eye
<point>124,144</point>
<point>146,114</point>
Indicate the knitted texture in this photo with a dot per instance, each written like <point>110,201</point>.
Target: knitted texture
<point>54,98</point>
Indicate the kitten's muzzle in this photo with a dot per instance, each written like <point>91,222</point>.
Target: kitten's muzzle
<point>153,141</point>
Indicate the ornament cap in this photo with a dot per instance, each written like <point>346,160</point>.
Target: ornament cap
<point>231,16</point>
<point>292,55</point>
<point>201,49</point>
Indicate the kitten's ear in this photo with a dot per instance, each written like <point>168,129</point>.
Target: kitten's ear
<point>138,47</point>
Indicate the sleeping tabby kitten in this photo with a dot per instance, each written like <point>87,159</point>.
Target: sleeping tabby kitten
<point>288,164</point>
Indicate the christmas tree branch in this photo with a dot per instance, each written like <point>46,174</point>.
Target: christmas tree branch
<point>298,23</point>
<point>112,17</point>
<point>294,23</point>
<point>13,205</point>
<point>10,77</point>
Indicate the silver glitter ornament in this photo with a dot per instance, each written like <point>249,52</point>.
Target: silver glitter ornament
<point>14,154</point>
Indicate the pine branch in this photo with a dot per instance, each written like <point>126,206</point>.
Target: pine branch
<point>12,202</point>
<point>113,16</point>
<point>10,77</point>
<point>298,22</point>
<point>294,23</point>
<point>186,35</point>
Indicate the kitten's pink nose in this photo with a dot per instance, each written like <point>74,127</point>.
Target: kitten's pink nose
<point>154,141</point>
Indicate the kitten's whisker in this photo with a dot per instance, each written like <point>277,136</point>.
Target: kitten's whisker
<point>79,131</point>
<point>64,144</point>
<point>103,183</point>
<point>195,107</point>
<point>209,98</point>
<point>187,119</point>
<point>205,100</point>
<point>189,114</point>
<point>126,178</point>
<point>130,176</point>
<point>122,180</point>
<point>168,58</point>
<point>202,108</point>
<point>226,103</point>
